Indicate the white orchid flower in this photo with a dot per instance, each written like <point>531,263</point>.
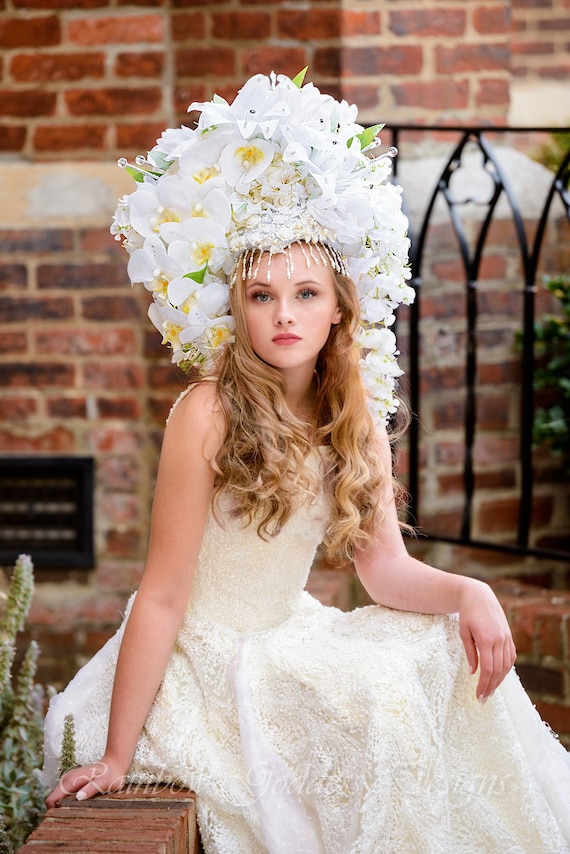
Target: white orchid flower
<point>243,161</point>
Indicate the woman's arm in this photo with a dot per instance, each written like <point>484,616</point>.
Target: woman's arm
<point>395,579</point>
<point>182,498</point>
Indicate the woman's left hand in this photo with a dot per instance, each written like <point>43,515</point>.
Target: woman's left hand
<point>486,636</point>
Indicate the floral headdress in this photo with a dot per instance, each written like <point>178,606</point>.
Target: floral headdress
<point>282,164</point>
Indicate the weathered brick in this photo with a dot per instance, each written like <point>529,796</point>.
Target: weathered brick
<point>432,95</point>
<point>147,64</point>
<point>502,515</point>
<point>66,407</point>
<point>13,137</point>
<point>48,68</point>
<point>54,138</point>
<point>540,679</point>
<point>123,543</point>
<point>58,439</point>
<point>106,308</point>
<point>188,25</point>
<point>87,342</point>
<point>139,137</point>
<point>287,60</point>
<point>36,374</point>
<point>241,25</point>
<point>104,439</point>
<point>81,276</point>
<point>357,22</point>
<point>124,407</point>
<point>38,31</point>
<point>117,376</point>
<point>13,276</point>
<point>396,59</point>
<point>27,103</point>
<point>492,19</point>
<point>59,4</point>
<point>36,240</point>
<point>122,473</point>
<point>197,61</point>
<point>118,29</point>
<point>114,101</point>
<point>18,309</point>
<point>428,22</point>
<point>17,408</point>
<point>309,24</point>
<point>13,342</point>
<point>437,379</point>
<point>493,92</point>
<point>472,57</point>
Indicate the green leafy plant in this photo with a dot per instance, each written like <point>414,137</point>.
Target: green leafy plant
<point>552,375</point>
<point>552,152</point>
<point>22,791</point>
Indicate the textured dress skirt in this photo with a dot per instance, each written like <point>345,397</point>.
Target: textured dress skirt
<point>306,730</point>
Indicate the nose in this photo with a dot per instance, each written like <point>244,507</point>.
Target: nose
<point>283,313</point>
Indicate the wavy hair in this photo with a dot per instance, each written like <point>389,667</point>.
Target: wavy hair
<point>261,463</point>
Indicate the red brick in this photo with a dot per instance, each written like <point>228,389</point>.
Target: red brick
<point>120,507</point>
<point>59,4</point>
<point>428,22</point>
<point>49,68</point>
<point>93,641</point>
<point>449,453</point>
<point>66,407</point>
<point>13,342</point>
<point>501,478</point>
<point>113,376</point>
<point>139,137</point>
<point>17,408</point>
<point>492,449</point>
<point>359,23</point>
<point>123,543</point>
<point>309,24</point>
<point>502,515</point>
<point>81,276</point>
<point>492,19</point>
<point>55,138</point>
<point>111,308</point>
<point>119,29</point>
<point>147,64</point>
<point>188,26</point>
<point>432,95</point>
<point>58,439</point>
<point>112,440</point>
<point>16,309</point>
<point>100,241</point>
<point>553,23</point>
<point>497,374</point>
<point>36,240</point>
<point>13,276</point>
<point>493,412</point>
<point>197,61</point>
<point>241,25</point>
<point>42,31</point>
<point>438,379</point>
<point>120,473</point>
<point>12,138</point>
<point>119,101</point>
<point>542,48</point>
<point>75,342</point>
<point>493,92</point>
<point>557,715</point>
<point>399,59</point>
<point>36,374</point>
<point>449,415</point>
<point>124,407</point>
<point>284,60</point>
<point>27,103</point>
<point>472,57</point>
<point>550,635</point>
<point>366,97</point>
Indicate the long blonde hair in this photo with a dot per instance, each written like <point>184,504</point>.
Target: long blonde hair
<point>261,461</point>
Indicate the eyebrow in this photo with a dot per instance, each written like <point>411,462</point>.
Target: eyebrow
<point>265,284</point>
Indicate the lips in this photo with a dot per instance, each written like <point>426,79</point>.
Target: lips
<point>285,339</point>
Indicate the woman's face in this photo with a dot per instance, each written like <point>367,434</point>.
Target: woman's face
<point>289,318</point>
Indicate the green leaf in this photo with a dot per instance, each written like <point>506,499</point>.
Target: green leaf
<point>198,276</point>
<point>368,134</point>
<point>300,77</point>
<point>135,173</point>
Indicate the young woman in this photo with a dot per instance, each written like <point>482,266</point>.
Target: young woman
<point>399,727</point>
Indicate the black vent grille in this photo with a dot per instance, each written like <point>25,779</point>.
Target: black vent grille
<point>46,510</point>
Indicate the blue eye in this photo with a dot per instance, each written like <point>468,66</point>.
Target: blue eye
<point>307,293</point>
<point>261,296</point>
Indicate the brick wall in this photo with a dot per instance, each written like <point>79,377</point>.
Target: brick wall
<point>84,81</point>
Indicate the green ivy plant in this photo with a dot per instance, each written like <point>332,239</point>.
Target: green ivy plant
<point>22,791</point>
<point>552,339</point>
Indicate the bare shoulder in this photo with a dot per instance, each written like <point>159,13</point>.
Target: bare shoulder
<point>197,414</point>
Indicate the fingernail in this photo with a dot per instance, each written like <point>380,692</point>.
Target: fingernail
<point>483,700</point>
<point>80,796</point>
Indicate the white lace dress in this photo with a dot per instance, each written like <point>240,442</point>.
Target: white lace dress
<point>306,730</point>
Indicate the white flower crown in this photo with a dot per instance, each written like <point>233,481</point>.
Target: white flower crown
<point>282,164</point>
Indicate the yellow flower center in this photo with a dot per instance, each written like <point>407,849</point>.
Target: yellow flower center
<point>206,173</point>
<point>249,155</point>
<point>201,253</point>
